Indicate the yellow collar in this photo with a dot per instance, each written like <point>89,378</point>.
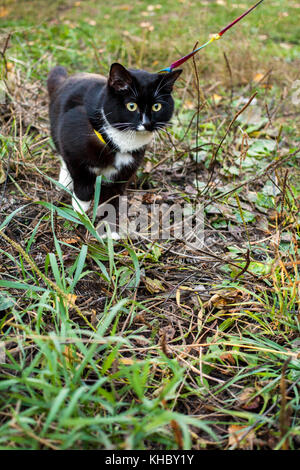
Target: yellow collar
<point>99,136</point>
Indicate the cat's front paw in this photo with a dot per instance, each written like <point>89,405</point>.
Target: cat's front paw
<point>80,206</point>
<point>65,178</point>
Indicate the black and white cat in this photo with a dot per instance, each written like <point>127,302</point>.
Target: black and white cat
<point>102,126</point>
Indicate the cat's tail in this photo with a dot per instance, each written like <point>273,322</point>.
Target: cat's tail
<point>55,79</point>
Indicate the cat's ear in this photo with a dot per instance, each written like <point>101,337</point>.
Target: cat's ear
<point>119,78</point>
<point>168,79</point>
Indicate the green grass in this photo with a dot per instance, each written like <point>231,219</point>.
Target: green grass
<point>85,36</point>
<point>79,379</point>
<point>139,345</point>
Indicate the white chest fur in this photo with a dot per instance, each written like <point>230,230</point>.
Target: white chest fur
<point>123,159</point>
<point>110,172</point>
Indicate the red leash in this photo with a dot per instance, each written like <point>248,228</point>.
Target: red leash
<point>215,37</point>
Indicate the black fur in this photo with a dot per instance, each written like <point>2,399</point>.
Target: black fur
<point>76,105</point>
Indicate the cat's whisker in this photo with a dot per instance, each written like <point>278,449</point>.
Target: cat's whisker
<point>165,94</point>
<point>162,129</point>
<point>120,125</point>
<point>165,124</point>
<point>159,131</point>
<point>100,111</point>
<point>158,136</point>
<point>161,101</point>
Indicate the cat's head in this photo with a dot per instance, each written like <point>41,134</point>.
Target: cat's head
<point>137,100</point>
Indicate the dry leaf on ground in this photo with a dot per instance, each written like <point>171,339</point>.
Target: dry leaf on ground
<point>236,432</point>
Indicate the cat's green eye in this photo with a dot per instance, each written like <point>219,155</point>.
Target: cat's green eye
<point>156,107</point>
<point>131,106</point>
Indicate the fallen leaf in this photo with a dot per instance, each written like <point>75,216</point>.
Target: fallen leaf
<point>178,294</point>
<point>94,319</point>
<point>4,12</point>
<point>127,361</point>
<point>153,285</point>
<point>223,298</point>
<point>188,104</point>
<point>71,299</point>
<point>70,241</point>
<point>247,401</point>
<point>125,7</point>
<point>235,434</point>
<point>217,98</point>
<point>228,357</point>
<point>2,173</point>
<point>258,77</point>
